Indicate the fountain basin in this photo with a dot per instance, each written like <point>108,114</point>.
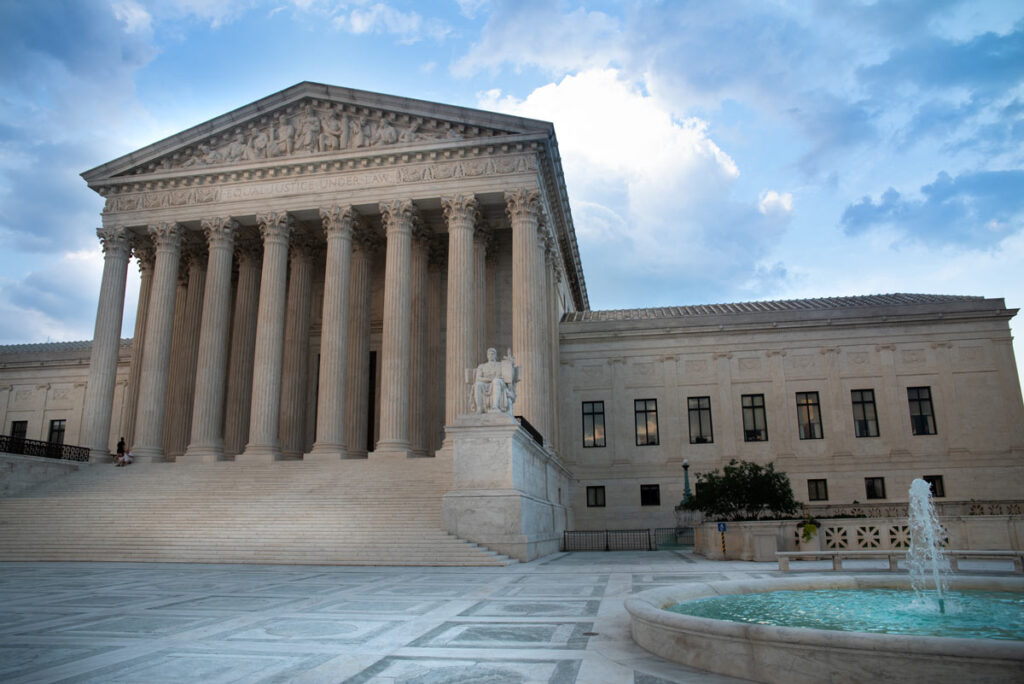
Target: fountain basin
<point>784,655</point>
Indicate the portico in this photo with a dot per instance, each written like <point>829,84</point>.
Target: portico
<point>319,269</point>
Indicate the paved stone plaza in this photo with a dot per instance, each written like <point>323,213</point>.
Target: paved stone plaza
<point>560,619</point>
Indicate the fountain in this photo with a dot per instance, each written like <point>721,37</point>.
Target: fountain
<point>761,650</point>
<point>924,559</point>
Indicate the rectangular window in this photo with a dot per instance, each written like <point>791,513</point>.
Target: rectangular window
<point>808,415</point>
<point>595,497</point>
<point>646,413</point>
<point>865,417</point>
<point>700,420</point>
<point>817,490</point>
<point>922,417</point>
<point>874,487</point>
<point>593,424</point>
<point>938,488</point>
<point>650,495</point>
<point>19,428</point>
<point>755,425</point>
<point>56,431</point>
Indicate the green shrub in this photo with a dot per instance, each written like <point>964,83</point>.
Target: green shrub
<point>743,491</point>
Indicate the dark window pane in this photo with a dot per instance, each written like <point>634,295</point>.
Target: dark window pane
<point>817,490</point>
<point>650,495</point>
<point>874,487</point>
<point>646,421</point>
<point>755,422</point>
<point>699,409</point>
<point>922,415</point>
<point>595,497</point>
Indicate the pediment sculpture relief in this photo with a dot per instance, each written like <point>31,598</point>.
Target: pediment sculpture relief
<point>310,128</point>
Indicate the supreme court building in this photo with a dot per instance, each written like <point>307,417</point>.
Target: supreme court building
<point>322,269</point>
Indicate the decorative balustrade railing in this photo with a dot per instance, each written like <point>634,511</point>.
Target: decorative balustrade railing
<point>33,447</point>
<point>899,510</point>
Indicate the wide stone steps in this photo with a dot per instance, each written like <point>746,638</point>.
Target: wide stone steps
<point>339,513</point>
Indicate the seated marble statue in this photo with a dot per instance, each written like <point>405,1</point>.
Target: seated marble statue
<point>494,384</point>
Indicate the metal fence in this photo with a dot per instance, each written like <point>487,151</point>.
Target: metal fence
<point>607,540</point>
<point>673,536</point>
<point>32,447</point>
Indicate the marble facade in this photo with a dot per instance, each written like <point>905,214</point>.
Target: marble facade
<point>318,268</point>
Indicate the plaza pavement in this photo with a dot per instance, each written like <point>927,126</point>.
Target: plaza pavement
<point>559,620</point>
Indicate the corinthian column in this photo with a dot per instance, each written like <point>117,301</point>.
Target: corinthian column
<point>296,349</point>
<point>99,393</point>
<point>523,207</point>
<point>149,420</point>
<point>419,412</point>
<point>276,228</point>
<point>183,378</point>
<point>338,223</point>
<point>144,255</point>
<point>357,412</point>
<point>394,402</point>
<point>436,299</point>
<point>481,237</point>
<point>207,442</point>
<point>243,346</point>
<point>461,212</point>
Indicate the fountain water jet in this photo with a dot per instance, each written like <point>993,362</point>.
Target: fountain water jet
<point>924,558</point>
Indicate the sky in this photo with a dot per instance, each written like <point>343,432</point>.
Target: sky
<point>713,152</point>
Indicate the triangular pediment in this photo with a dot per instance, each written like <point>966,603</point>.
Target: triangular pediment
<point>314,121</point>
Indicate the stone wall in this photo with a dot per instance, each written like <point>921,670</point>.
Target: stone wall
<point>18,473</point>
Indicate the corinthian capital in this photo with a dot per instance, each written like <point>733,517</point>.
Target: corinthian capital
<point>166,236</point>
<point>397,215</point>
<point>461,209</point>
<point>114,240</point>
<point>339,220</point>
<point>220,231</point>
<point>522,203</point>
<point>275,225</point>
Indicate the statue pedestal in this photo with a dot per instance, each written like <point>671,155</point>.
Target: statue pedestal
<point>509,493</point>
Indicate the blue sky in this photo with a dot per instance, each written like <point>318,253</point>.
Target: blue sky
<point>713,152</point>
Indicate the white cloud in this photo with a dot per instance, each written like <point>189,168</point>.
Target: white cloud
<point>382,18</point>
<point>633,171</point>
<point>134,17</point>
<point>539,34</point>
<point>772,202</point>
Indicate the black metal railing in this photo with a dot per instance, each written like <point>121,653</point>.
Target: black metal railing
<point>537,437</point>
<point>33,447</point>
<point>667,537</point>
<point>607,540</point>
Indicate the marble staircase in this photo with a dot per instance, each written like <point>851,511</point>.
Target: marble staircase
<point>354,512</point>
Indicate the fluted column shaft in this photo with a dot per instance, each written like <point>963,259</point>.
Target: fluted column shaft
<point>99,393</point>
<point>243,346</point>
<point>144,255</point>
<point>175,368</point>
<point>358,358</point>
<point>183,378</point>
<point>149,420</point>
<point>394,402</point>
<point>207,439</point>
<point>418,367</point>
<point>542,334</point>
<point>436,300</point>
<point>338,223</point>
<point>460,346</point>
<point>295,371</point>
<point>523,207</point>
<point>268,356</point>
<point>480,313</point>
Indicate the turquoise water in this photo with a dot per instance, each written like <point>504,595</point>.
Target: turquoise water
<point>969,614</point>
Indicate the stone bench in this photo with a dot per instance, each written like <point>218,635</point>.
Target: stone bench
<point>895,555</point>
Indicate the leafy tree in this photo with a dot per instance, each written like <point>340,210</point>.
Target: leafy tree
<point>743,491</point>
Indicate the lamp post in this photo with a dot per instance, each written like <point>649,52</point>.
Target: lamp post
<point>686,483</point>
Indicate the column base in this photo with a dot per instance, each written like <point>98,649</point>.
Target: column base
<point>260,453</point>
<point>201,454</point>
<point>100,456</point>
<point>326,452</point>
<point>148,455</point>
<point>392,450</point>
